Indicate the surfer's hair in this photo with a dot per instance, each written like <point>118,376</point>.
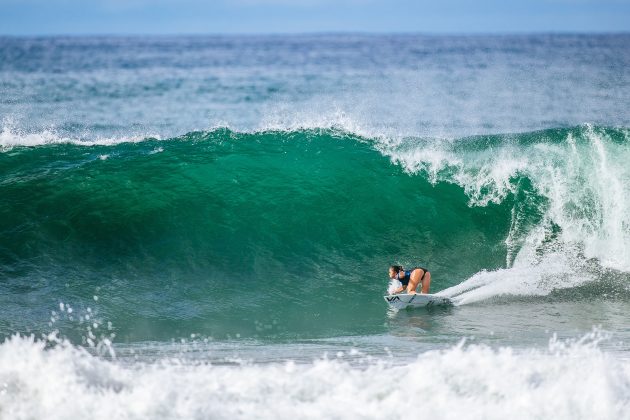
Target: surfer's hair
<point>396,268</point>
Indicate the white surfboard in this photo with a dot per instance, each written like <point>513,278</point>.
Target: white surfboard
<point>404,300</point>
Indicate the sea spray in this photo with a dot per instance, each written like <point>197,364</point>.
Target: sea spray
<point>571,379</point>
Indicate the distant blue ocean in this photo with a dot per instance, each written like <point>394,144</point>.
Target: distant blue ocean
<point>201,227</point>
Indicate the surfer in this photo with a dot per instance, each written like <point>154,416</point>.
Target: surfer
<point>410,278</point>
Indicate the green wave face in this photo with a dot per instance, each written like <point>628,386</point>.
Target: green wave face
<point>270,234</point>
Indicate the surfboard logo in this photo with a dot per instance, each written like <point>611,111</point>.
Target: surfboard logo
<point>393,298</point>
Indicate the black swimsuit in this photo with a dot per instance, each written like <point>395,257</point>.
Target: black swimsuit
<point>405,280</point>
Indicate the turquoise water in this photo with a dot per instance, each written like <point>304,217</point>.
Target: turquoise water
<point>209,221</point>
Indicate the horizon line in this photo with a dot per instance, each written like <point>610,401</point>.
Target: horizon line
<point>312,33</point>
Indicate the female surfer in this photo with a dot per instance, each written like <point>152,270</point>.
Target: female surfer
<point>410,278</point>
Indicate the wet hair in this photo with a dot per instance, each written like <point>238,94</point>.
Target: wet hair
<point>397,268</point>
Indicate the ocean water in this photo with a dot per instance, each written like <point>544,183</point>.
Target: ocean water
<point>200,227</point>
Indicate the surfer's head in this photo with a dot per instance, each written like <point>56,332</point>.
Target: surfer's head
<point>394,270</point>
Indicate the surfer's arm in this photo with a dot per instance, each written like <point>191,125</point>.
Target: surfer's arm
<point>400,289</point>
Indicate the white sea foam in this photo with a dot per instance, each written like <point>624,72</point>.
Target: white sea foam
<point>553,272</point>
<point>567,380</point>
<point>12,136</point>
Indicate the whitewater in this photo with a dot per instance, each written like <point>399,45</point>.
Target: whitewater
<point>200,227</point>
